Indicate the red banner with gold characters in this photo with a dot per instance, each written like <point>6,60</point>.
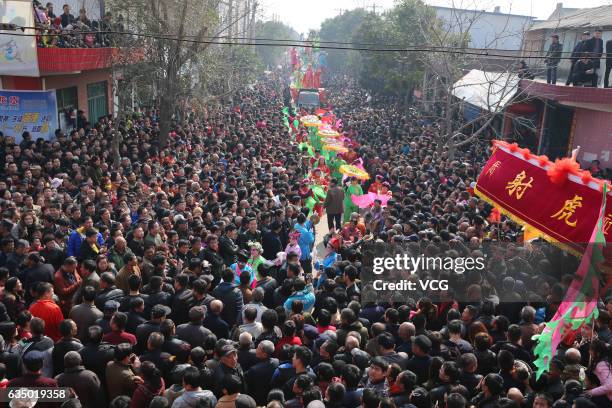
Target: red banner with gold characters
<point>563,211</point>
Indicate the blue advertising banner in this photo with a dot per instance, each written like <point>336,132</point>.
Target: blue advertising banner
<point>32,111</point>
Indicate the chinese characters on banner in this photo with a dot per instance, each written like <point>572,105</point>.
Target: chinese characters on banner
<point>519,186</point>
<point>18,55</point>
<point>32,111</point>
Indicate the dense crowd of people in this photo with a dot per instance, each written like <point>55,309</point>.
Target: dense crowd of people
<point>67,31</point>
<point>188,276</point>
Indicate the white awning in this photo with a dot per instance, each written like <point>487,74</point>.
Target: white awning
<point>487,90</point>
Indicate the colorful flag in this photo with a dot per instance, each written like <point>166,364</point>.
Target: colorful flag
<point>580,303</point>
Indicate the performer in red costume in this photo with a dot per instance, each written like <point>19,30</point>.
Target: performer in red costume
<point>377,185</point>
<point>318,178</point>
<point>308,80</point>
<point>294,58</point>
<point>324,168</point>
<point>317,78</point>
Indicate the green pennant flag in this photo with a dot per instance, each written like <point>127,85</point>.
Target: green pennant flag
<point>319,192</point>
<point>286,111</point>
<point>310,203</point>
<point>296,124</point>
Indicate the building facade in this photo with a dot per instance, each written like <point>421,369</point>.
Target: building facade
<point>486,29</point>
<point>569,26</point>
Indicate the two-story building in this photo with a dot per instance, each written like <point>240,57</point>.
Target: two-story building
<point>81,78</point>
<point>569,26</point>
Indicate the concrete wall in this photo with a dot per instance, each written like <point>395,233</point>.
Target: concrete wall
<point>593,129</point>
<point>487,30</point>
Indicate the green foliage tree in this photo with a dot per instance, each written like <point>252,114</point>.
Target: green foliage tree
<point>273,55</point>
<point>393,72</point>
<point>341,29</point>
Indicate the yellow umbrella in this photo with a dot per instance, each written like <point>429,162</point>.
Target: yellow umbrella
<point>328,133</point>
<point>354,171</point>
<point>309,118</point>
<point>329,140</point>
<point>335,148</point>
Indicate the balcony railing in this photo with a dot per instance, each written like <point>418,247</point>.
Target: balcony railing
<point>62,60</point>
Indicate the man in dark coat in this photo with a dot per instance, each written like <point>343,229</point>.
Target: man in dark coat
<point>96,353</point>
<point>230,295</point>
<point>608,63</point>
<point>334,205</point>
<point>227,244</point>
<point>271,241</point>
<point>596,47</point>
<point>259,377</point>
<point>584,72</point>
<point>193,332</point>
<point>580,47</point>
<point>228,365</point>
<point>68,342</point>
<point>85,383</point>
<point>553,57</point>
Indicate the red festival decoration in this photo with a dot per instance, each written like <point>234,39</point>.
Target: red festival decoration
<point>557,200</point>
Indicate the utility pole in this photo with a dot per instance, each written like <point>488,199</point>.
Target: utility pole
<point>253,20</point>
<point>230,17</point>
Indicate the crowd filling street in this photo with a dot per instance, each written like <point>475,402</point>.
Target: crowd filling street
<point>187,275</point>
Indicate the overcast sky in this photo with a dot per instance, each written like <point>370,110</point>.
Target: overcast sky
<point>308,14</point>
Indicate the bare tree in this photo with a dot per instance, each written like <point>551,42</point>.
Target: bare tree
<point>492,84</point>
<point>176,35</point>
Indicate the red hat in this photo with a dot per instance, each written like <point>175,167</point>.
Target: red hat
<point>334,243</point>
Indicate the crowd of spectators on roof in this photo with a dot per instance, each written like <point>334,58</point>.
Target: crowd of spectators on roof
<point>65,30</point>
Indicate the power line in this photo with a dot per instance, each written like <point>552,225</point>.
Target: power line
<point>304,44</point>
<point>295,42</point>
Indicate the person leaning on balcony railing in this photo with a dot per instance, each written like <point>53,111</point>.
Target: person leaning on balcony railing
<point>553,57</point>
<point>67,18</point>
<point>580,47</point>
<point>596,47</point>
<point>83,17</point>
<point>584,71</point>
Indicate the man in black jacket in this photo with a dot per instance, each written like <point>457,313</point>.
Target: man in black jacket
<point>608,63</point>
<point>580,47</point>
<point>96,353</point>
<point>228,365</point>
<point>193,332</point>
<point>259,377</point>
<point>172,344</point>
<point>553,57</point>
<point>271,242</point>
<point>36,271</point>
<point>584,72</point>
<point>595,47</point>
<point>158,315</point>
<point>227,245</point>
<point>251,234</point>
<point>230,295</point>
<point>68,342</point>
<point>108,291</point>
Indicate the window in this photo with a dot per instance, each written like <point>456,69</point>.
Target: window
<point>97,101</point>
<point>67,98</point>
